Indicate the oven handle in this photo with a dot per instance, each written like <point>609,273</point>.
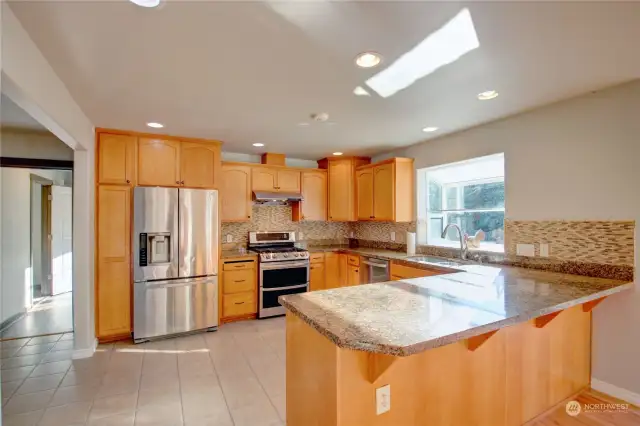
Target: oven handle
<point>284,288</point>
<point>284,265</point>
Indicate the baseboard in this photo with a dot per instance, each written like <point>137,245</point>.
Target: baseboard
<point>615,391</point>
<point>85,353</point>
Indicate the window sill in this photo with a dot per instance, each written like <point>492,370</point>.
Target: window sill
<point>488,247</point>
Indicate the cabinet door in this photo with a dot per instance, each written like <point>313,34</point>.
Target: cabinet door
<point>316,277</point>
<point>114,261</point>
<point>364,189</point>
<point>263,179</point>
<point>383,196</point>
<point>116,159</point>
<point>288,181</point>
<point>235,193</point>
<point>158,162</point>
<point>199,164</point>
<point>332,270</point>
<point>314,194</point>
<point>344,270</point>
<point>353,275</point>
<point>341,202</point>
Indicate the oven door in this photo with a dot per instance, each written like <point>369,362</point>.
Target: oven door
<point>279,279</point>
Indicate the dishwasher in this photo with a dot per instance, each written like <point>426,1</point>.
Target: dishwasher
<point>373,270</point>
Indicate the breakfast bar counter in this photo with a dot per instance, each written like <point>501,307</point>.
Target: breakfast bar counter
<point>487,345</point>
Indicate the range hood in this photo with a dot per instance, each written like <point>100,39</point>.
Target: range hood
<point>265,197</point>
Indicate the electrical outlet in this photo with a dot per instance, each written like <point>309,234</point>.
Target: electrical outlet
<point>525,250</point>
<point>544,250</point>
<point>393,236</point>
<point>351,235</point>
<point>383,399</point>
<point>229,238</point>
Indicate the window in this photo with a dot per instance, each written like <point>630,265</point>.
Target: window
<point>469,194</point>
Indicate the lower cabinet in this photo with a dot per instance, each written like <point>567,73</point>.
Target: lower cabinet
<point>353,275</point>
<point>317,279</point>
<point>403,272</point>
<point>332,278</point>
<point>239,292</point>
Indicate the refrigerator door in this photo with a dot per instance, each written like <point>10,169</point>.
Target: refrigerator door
<point>155,233</point>
<point>163,308</point>
<point>198,235</point>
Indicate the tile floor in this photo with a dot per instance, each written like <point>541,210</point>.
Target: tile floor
<point>234,376</point>
<point>52,315</point>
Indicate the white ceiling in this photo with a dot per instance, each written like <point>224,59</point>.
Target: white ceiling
<point>11,115</point>
<point>248,72</point>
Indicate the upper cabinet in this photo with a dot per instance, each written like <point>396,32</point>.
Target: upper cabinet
<point>199,164</point>
<point>342,186</point>
<point>174,163</point>
<point>116,159</point>
<point>386,191</point>
<point>314,197</point>
<point>275,179</point>
<point>235,192</point>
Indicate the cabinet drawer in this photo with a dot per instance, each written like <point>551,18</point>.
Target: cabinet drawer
<point>403,272</point>
<point>234,305</point>
<point>234,266</point>
<point>316,257</point>
<point>353,260</point>
<point>239,281</point>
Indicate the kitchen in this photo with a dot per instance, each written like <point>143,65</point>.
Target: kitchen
<point>251,249</point>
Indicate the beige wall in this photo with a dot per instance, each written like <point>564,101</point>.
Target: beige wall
<point>28,144</point>
<point>573,160</point>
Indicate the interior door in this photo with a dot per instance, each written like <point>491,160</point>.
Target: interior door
<point>61,240</point>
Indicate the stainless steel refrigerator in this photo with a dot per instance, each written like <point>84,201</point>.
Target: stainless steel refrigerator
<point>175,258</point>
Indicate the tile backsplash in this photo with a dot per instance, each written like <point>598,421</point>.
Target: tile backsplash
<point>278,218</point>
<point>381,231</point>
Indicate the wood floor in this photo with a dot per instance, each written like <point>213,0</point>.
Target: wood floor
<point>559,417</point>
<point>51,316</point>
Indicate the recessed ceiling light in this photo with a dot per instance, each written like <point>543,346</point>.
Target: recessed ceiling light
<point>359,91</point>
<point>489,94</point>
<point>337,153</point>
<point>368,60</point>
<point>429,129</point>
<point>146,3</point>
<point>258,144</point>
<point>155,125</point>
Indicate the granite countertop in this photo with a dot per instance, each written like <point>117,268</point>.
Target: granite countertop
<point>229,253</point>
<point>406,317</point>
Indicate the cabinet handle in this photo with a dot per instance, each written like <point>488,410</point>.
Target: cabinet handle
<point>178,182</point>
<point>239,281</point>
<point>182,182</point>
<point>128,181</point>
<point>239,303</point>
<point>248,217</point>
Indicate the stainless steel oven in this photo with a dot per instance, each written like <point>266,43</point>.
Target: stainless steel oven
<point>278,279</point>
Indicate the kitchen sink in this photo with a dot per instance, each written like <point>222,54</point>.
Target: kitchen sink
<point>434,260</point>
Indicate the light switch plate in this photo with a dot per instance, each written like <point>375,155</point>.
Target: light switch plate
<point>525,250</point>
<point>229,238</point>
<point>393,236</point>
<point>383,399</point>
<point>544,250</point>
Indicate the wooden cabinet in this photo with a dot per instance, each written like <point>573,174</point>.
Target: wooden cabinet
<point>403,272</point>
<point>314,194</point>
<point>385,191</point>
<point>116,157</point>
<point>175,163</point>
<point>199,164</point>
<point>332,270</point>
<point>235,193</point>
<point>239,293</point>
<point>342,186</point>
<point>275,179</point>
<point>264,179</point>
<point>364,185</point>
<point>113,286</point>
<point>317,276</point>
<point>158,162</point>
<point>353,275</point>
<point>288,181</point>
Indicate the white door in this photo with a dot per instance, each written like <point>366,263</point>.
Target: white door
<point>61,225</point>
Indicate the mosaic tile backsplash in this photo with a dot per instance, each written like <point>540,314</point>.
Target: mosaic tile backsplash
<point>603,242</point>
<point>278,218</point>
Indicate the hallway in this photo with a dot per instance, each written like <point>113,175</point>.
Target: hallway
<point>53,315</point>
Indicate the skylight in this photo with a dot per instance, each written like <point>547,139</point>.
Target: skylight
<point>442,47</point>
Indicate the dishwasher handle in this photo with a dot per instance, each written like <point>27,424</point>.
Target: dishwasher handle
<point>384,265</point>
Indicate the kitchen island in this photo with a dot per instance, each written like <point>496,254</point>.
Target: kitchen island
<point>482,346</point>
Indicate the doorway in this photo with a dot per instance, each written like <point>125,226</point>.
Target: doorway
<point>37,277</point>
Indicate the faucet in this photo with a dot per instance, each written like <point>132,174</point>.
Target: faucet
<point>463,243</point>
